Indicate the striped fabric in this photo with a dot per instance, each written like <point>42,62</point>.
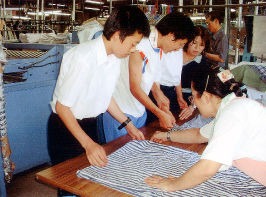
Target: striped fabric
<point>130,165</point>
<point>196,122</point>
<point>260,70</point>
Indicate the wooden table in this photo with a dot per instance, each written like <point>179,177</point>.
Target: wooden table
<point>64,175</point>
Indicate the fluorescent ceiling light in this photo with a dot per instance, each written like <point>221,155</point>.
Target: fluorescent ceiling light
<point>87,8</point>
<point>34,13</point>
<point>95,2</point>
<point>47,13</point>
<point>197,17</point>
<point>21,17</point>
<point>13,8</point>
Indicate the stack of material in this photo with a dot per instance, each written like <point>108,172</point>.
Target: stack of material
<point>87,30</point>
<point>45,38</point>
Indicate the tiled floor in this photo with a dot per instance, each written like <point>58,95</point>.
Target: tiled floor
<point>25,184</point>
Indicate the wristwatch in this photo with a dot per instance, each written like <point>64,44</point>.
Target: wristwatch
<point>168,136</point>
<point>124,123</point>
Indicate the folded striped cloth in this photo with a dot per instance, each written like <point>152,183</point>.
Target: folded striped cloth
<point>260,70</point>
<point>130,165</point>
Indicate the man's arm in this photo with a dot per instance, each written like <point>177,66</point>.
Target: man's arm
<point>159,96</point>
<point>214,57</point>
<point>182,103</point>
<point>135,77</point>
<point>95,153</point>
<point>116,112</point>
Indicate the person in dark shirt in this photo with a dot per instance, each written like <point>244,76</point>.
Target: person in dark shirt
<point>218,49</point>
<point>193,58</point>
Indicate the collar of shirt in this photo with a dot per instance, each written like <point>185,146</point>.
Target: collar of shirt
<point>154,39</point>
<point>100,48</point>
<point>196,59</point>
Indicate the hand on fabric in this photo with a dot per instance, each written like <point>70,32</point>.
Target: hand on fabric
<point>186,113</point>
<point>134,132</point>
<point>182,103</point>
<point>166,184</point>
<point>96,155</point>
<point>166,120</point>
<point>159,137</point>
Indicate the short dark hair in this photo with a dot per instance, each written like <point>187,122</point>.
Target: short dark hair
<point>178,24</point>
<point>127,19</point>
<point>215,15</point>
<point>203,33</point>
<point>206,79</point>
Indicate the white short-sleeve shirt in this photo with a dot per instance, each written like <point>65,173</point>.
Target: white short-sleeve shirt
<point>171,65</point>
<point>87,79</point>
<point>239,132</point>
<point>123,97</point>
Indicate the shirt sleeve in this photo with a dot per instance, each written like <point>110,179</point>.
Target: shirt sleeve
<point>226,141</point>
<point>205,131</point>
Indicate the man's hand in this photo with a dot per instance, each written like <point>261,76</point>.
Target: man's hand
<point>166,120</point>
<point>96,155</point>
<point>161,99</point>
<point>182,103</point>
<point>134,132</point>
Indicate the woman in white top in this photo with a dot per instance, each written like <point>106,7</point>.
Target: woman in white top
<point>236,137</point>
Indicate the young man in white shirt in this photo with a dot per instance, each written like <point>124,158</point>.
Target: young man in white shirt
<point>141,71</point>
<point>87,80</point>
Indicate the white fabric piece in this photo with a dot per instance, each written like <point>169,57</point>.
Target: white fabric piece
<point>87,31</point>
<point>259,32</point>
<point>130,165</point>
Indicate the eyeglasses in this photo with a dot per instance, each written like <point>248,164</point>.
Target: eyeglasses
<point>207,24</point>
<point>191,99</point>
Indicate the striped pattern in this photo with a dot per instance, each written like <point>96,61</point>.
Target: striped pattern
<point>131,164</point>
<point>260,70</point>
<point>196,122</point>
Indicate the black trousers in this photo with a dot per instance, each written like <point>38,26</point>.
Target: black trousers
<point>62,145</point>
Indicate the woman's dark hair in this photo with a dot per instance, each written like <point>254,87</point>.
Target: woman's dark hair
<point>208,80</point>
<point>203,33</point>
<point>126,19</point>
<point>178,24</point>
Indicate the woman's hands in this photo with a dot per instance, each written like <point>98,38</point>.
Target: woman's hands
<point>159,137</point>
<point>186,113</point>
<point>166,184</point>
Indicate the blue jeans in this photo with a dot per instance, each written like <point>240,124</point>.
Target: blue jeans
<point>111,125</point>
